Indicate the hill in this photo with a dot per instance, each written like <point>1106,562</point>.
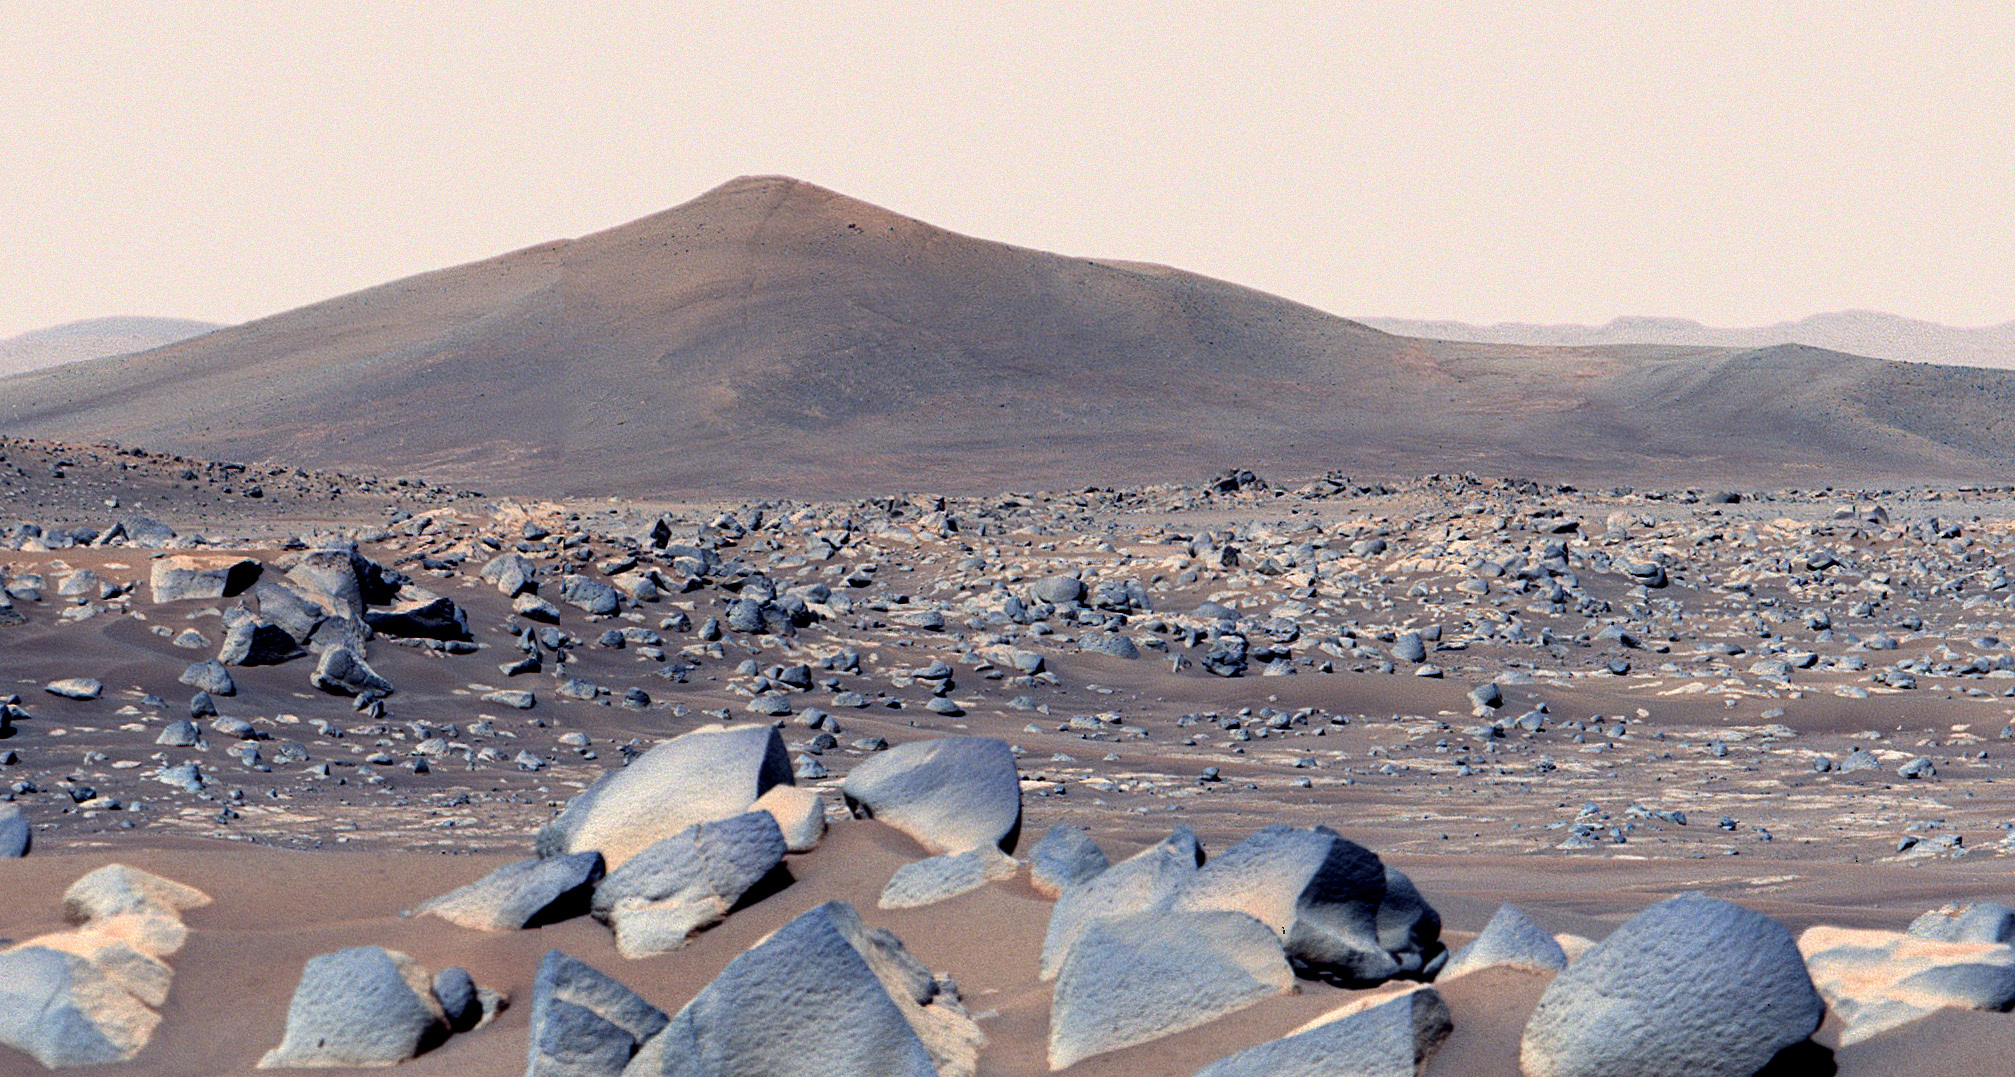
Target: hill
<point>93,339</point>
<point>772,337</point>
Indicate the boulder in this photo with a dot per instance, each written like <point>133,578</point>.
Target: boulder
<point>287,608</point>
<point>800,814</point>
<point>146,907</point>
<point>938,878</point>
<point>65,1011</point>
<point>1340,912</point>
<point>256,643</point>
<point>528,893</point>
<point>950,794</point>
<point>1986,921</point>
<point>584,1023</point>
<point>589,594</point>
<point>425,617</point>
<point>514,574</point>
<point>658,898</point>
<point>1389,1036</point>
<point>1064,857</point>
<point>1509,939</point>
<point>823,996</point>
<point>1058,590</point>
<point>1133,979</point>
<point>1145,881</point>
<point>182,576</point>
<point>1878,980</point>
<point>342,671</point>
<point>1108,643</point>
<point>16,836</point>
<point>364,1006</point>
<point>1691,987</point>
<point>330,577</point>
<point>460,1000</point>
<point>710,773</point>
<point>109,949</point>
<point>76,688</point>
<point>209,676</point>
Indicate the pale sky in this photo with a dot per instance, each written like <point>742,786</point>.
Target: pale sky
<point>1736,163</point>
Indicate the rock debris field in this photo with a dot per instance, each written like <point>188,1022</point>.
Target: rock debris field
<point>1454,775</point>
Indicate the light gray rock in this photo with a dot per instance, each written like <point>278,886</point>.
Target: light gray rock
<point>1341,913</point>
<point>950,794</point>
<point>209,676</point>
<point>147,907</point>
<point>284,606</point>
<point>941,878</point>
<point>456,993</point>
<point>342,671</point>
<point>1984,921</point>
<point>584,1023</point>
<point>589,594</point>
<point>180,577</point>
<point>1691,987</point>
<point>528,893</point>
<point>1108,643</point>
<point>1064,857</point>
<point>1874,981</point>
<point>823,996</point>
<point>1058,590</point>
<point>1392,1038</point>
<point>331,578</point>
<point>1407,647</point>
<point>800,813</point>
<point>1145,881</point>
<point>1139,978</point>
<point>16,836</point>
<point>364,1006</point>
<point>76,688</point>
<point>514,574</point>
<point>658,898</point>
<point>710,773</point>
<point>64,1011</point>
<point>1510,939</point>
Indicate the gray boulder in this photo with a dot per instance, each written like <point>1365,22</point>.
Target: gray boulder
<point>1407,647</point>
<point>460,1001</point>
<point>209,676</point>
<point>940,878</point>
<point>76,688</point>
<point>514,574</point>
<point>823,996</point>
<point>1064,857</point>
<point>1139,978</point>
<point>528,893</point>
<point>710,773</point>
<point>288,609</point>
<point>424,617</point>
<point>1108,643</point>
<point>1392,1038</point>
<point>589,594</point>
<point>255,643</point>
<point>182,576</point>
<point>1058,590</point>
<point>15,834</point>
<point>950,794</point>
<point>1691,987</point>
<point>331,578</point>
<point>1341,912</point>
<point>1509,939</point>
<point>1985,921</point>
<point>584,1023</point>
<point>658,898</point>
<point>65,1011</point>
<point>364,1006</point>
<point>342,671</point>
<point>1145,881</point>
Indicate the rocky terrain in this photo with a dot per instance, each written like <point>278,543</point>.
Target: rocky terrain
<point>1264,774</point>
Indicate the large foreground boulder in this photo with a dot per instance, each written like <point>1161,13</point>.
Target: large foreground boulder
<point>824,996</point>
<point>65,1011</point>
<point>184,576</point>
<point>584,1022</point>
<point>1878,980</point>
<point>1064,857</point>
<point>528,893</point>
<point>673,888</point>
<point>1390,1037</point>
<point>1509,939</point>
<point>950,794</point>
<point>364,1006</point>
<point>1146,881</point>
<point>1139,978</point>
<point>146,908</point>
<point>1691,987</point>
<point>701,776</point>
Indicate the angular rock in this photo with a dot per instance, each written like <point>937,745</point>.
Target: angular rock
<point>76,688</point>
<point>1134,979</point>
<point>589,594</point>
<point>1878,980</point>
<point>800,814</point>
<point>209,676</point>
<point>1691,987</point>
<point>65,1011</point>
<point>364,1006</point>
<point>707,774</point>
<point>528,893</point>
<point>1146,881</point>
<point>16,836</point>
<point>514,574</point>
<point>288,609</point>
<point>342,671</point>
<point>823,996</point>
<point>424,618</point>
<point>147,907</point>
<point>1108,643</point>
<point>182,576</point>
<point>1392,1037</point>
<point>940,878</point>
<point>1985,921</point>
<point>1510,939</point>
<point>1064,857</point>
<point>950,794</point>
<point>584,1023</point>
<point>255,643</point>
<point>658,898</point>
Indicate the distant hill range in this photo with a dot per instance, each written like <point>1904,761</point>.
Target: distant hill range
<point>93,339</point>
<point>1857,332</point>
<point>774,338</point>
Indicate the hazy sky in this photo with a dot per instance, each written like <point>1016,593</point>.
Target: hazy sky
<point>1738,163</point>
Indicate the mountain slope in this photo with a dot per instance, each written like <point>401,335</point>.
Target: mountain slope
<point>92,339</point>
<point>1857,332</point>
<point>772,337</point>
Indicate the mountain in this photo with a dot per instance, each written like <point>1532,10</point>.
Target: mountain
<point>774,338</point>
<point>1859,332</point>
<point>91,339</point>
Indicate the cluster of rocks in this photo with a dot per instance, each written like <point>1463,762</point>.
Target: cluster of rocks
<point>91,995</point>
<point>369,1006</point>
